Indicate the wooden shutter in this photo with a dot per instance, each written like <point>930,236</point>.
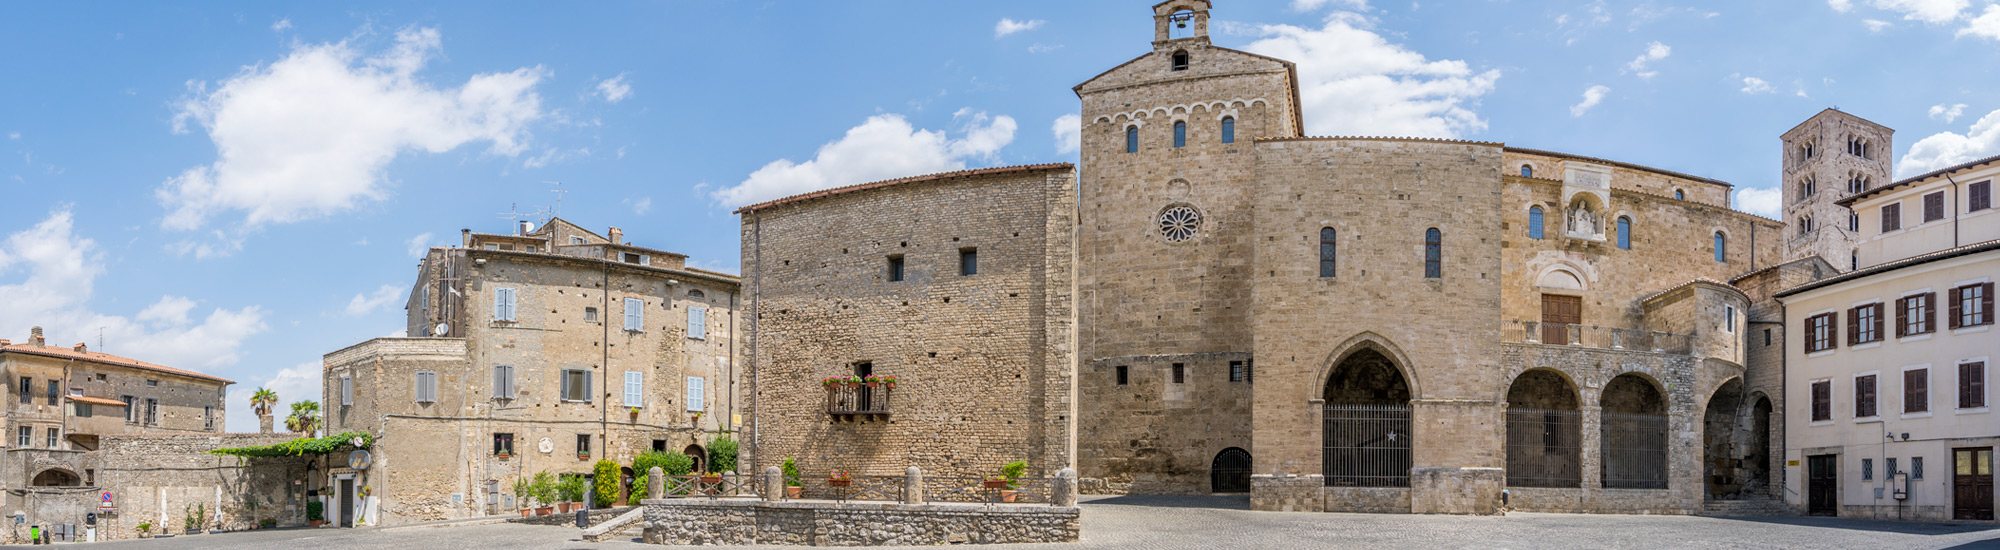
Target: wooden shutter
<point>697,322</point>
<point>499,382</point>
<point>1877,309</point>
<point>1902,317</point>
<point>1981,196</point>
<point>1864,396</point>
<point>1892,217</point>
<point>1832,335</point>
<point>1957,310</point>
<point>1822,401</point>
<point>1854,325</point>
<point>589,394</point>
<point>634,314</point>
<point>1934,206</point>
<point>1930,311</point>
<point>695,393</point>
<point>1985,303</point>
<point>1972,385</point>
<point>1916,391</point>
<point>564,386</point>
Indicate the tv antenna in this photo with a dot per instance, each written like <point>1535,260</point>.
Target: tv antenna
<point>514,214</point>
<point>559,191</point>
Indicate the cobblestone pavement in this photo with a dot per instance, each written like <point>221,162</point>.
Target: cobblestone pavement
<point>1226,523</point>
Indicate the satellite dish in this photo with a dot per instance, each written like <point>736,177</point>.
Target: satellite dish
<point>441,330</point>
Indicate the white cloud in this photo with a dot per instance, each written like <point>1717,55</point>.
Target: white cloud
<point>641,206</point>
<point>614,89</point>
<point>1929,11</point>
<point>1876,25</point>
<point>366,303</point>
<point>1987,25</point>
<point>1945,149</point>
<point>1947,114</point>
<point>1654,52</point>
<point>1353,81</point>
<point>282,24</point>
<point>301,382</point>
<point>1069,133</point>
<point>1841,6</point>
<point>1591,97</point>
<point>1043,48</point>
<point>48,275</point>
<point>1764,202</point>
<point>1311,5</point>
<point>882,147</point>
<point>420,245</point>
<point>1010,26</point>
<point>13,135</point>
<point>1754,85</point>
<point>310,134</point>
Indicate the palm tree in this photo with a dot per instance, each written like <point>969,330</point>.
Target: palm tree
<point>304,419</point>
<point>262,401</point>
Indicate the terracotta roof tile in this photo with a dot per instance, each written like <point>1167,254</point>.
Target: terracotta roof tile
<point>108,359</point>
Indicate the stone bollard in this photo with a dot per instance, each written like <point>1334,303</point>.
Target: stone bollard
<point>913,486</point>
<point>656,483</point>
<point>1064,488</point>
<point>774,483</point>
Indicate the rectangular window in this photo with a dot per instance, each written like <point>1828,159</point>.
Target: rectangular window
<point>1916,467</point>
<point>55,391</point>
<point>1916,391</point>
<point>492,246</point>
<point>82,409</point>
<point>575,385</point>
<point>427,386</point>
<point>1934,207</point>
<point>1180,373</point>
<point>635,314</point>
<point>633,258</point>
<point>968,261</point>
<point>1822,400</point>
<point>695,394</point>
<point>27,390</point>
<point>1867,469</point>
<point>697,322</point>
<point>582,446</point>
<point>895,268</point>
<point>152,382</point>
<point>346,391</point>
<point>590,315</point>
<point>1889,470</point>
<point>1729,319</point>
<point>1892,217</point>
<point>25,437</point>
<point>1972,385</point>
<point>503,444</point>
<point>1767,337</point>
<point>635,385</point>
<point>208,418</point>
<point>503,304</point>
<point>1864,396</point>
<point>152,411</point>
<point>53,437</point>
<point>1819,333</point>
<point>503,381</point>
<point>1235,371</point>
<point>1121,375</point>
<point>573,239</point>
<point>131,412</point>
<point>1979,196</point>
<point>1864,324</point>
<point>1915,315</point>
<point>1971,305</point>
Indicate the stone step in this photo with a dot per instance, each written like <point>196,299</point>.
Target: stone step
<point>1747,507</point>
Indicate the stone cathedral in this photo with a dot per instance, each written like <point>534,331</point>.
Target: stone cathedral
<point>1212,301</point>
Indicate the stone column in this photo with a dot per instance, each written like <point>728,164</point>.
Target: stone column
<point>656,483</point>
<point>1064,488</point>
<point>264,424</point>
<point>913,486</point>
<point>774,483</point>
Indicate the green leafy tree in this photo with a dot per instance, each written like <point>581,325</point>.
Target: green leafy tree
<point>607,482</point>
<point>791,470</point>
<point>305,418</point>
<point>722,454</point>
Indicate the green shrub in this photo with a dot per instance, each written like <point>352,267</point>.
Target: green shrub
<point>791,470</point>
<point>315,510</point>
<point>722,454</point>
<point>524,491</point>
<point>1012,471</point>
<point>544,488</point>
<point>571,488</point>
<point>607,482</point>
<point>641,489</point>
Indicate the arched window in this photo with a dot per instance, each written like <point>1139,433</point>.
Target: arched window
<point>1326,252</point>
<point>1180,133</point>
<point>1180,60</point>
<point>1534,220</point>
<point>1131,139</point>
<point>1625,232</point>
<point>1527,171</point>
<point>1721,246</point>
<point>1680,195</point>
<point>1229,129</point>
<point>1433,254</point>
<point>1808,186</point>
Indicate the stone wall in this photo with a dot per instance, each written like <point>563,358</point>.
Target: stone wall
<point>1153,435</point>
<point>984,362</point>
<point>712,522</point>
<point>156,478</point>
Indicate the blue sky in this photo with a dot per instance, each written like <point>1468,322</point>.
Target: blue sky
<point>240,188</point>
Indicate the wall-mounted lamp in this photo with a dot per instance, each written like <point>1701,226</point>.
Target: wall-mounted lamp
<point>479,261</point>
<point>1906,436</point>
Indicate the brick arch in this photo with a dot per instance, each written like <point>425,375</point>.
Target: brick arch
<point>1378,343</point>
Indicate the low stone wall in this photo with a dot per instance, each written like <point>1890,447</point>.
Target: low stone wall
<point>1600,501</point>
<point>801,523</point>
<point>1456,490</point>
<point>596,516</point>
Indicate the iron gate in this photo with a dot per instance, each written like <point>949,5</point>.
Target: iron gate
<point>1367,446</point>
<point>1544,448</point>
<point>1635,451</point>
<point>1230,473</point>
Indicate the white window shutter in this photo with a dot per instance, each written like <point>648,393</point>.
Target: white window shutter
<point>634,386</point>
<point>499,381</point>
<point>589,395</point>
<point>346,390</point>
<point>635,315</point>
<point>697,322</point>
<point>508,370</point>
<point>503,304</point>
<point>695,398</point>
<point>564,386</point>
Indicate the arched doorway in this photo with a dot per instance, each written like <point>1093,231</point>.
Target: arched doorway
<point>1757,467</point>
<point>1230,472</point>
<point>56,477</point>
<point>625,479</point>
<point>1720,457</point>
<point>1544,432</point>
<point>700,457</point>
<point>1367,431</point>
<point>1634,430</point>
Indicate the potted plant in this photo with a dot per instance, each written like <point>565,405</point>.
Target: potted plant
<point>145,530</point>
<point>267,524</point>
<point>1010,472</point>
<point>888,381</point>
<point>872,381</point>
<point>524,491</point>
<point>793,488</point>
<point>191,520</point>
<point>545,493</point>
<point>839,479</point>
<point>570,492</point>
<point>315,513</point>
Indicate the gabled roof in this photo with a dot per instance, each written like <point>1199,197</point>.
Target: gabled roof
<point>1291,76</point>
<point>1945,254</point>
<point>911,179</point>
<point>558,219</point>
<point>1851,199</point>
<point>107,359</point>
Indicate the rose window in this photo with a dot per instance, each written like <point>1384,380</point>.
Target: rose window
<point>1180,223</point>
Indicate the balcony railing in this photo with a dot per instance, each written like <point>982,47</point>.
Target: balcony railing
<point>847,401</point>
<point>1569,334</point>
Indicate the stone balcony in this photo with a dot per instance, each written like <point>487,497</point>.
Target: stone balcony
<point>1595,337</point>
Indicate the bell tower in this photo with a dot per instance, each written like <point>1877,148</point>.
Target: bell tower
<point>1174,20</point>
<point>1829,157</point>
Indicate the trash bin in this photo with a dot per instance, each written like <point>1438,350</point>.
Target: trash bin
<point>582,519</point>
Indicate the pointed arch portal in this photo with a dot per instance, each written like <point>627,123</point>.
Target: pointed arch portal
<point>1367,431</point>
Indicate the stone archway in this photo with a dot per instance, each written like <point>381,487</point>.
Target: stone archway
<point>699,456</point>
<point>1633,427</point>
<point>57,477</point>
<point>1230,471</point>
<point>1367,429</point>
<point>1757,461</point>
<point>1544,431</point>
<point>1721,459</point>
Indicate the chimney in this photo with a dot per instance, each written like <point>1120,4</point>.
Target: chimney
<point>465,235</point>
<point>617,236</point>
<point>80,348</point>
<point>35,337</point>
<point>521,228</point>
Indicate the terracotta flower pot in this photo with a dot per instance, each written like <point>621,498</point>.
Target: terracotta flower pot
<point>794,492</point>
<point>545,510</point>
<point>525,512</point>
<point>839,482</point>
<point>316,523</point>
<point>711,479</point>
<point>996,483</point>
<point>1007,495</point>
<point>874,384</point>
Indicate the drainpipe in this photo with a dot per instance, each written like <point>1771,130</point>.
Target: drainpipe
<point>756,302</point>
<point>604,351</point>
<point>1954,210</point>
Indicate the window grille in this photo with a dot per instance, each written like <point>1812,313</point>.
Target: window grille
<point>1635,450</point>
<point>1229,129</point>
<point>1544,448</point>
<point>1366,446</point>
<point>1433,254</point>
<point>1328,248</point>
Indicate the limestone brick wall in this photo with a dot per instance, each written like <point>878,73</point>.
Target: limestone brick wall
<point>155,478</point>
<point>1656,183</point>
<point>984,361</point>
<point>738,522</point>
<point>1764,374</point>
<point>1152,435</point>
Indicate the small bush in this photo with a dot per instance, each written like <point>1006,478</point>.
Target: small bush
<point>607,483</point>
<point>315,510</point>
<point>1012,471</point>
<point>791,470</point>
<point>524,491</point>
<point>722,454</point>
<point>642,489</point>
<point>572,487</point>
<point>544,489</point>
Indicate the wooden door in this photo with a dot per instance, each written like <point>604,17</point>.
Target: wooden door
<point>1558,313</point>
<point>1972,483</point>
<point>1822,485</point>
<point>346,502</point>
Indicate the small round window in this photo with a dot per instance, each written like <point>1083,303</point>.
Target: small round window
<point>1180,223</point>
